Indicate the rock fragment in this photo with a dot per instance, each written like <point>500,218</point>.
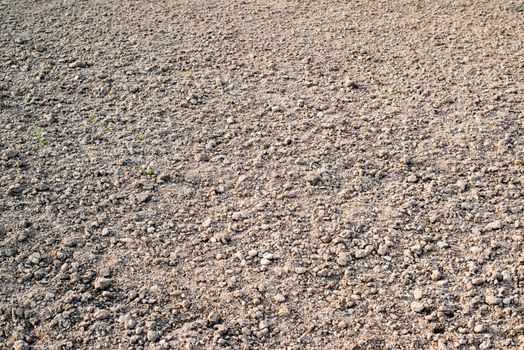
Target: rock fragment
<point>494,225</point>
<point>417,307</point>
<point>279,298</point>
<point>493,300</point>
<point>102,283</point>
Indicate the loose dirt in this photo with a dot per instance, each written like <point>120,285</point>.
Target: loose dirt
<point>261,174</point>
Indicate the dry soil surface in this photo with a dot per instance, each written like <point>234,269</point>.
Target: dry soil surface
<point>261,174</point>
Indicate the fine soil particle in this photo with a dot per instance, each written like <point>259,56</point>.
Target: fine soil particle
<point>261,174</point>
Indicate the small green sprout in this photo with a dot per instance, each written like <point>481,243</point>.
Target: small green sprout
<point>140,138</point>
<point>149,171</point>
<point>40,135</point>
<point>111,127</point>
<point>521,7</point>
<point>93,119</point>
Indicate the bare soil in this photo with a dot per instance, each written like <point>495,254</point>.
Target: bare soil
<point>261,174</point>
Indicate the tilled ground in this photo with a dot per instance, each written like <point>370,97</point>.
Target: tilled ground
<point>261,174</point>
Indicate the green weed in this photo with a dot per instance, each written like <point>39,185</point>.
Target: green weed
<point>149,171</point>
<point>40,135</point>
<point>110,127</point>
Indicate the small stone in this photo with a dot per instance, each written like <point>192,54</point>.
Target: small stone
<point>342,324</point>
<point>343,260</point>
<point>101,314</point>
<point>200,157</point>
<point>279,298</point>
<point>492,300</point>
<point>102,283</point>
<point>130,323</point>
<point>436,275</point>
<point>152,336</point>
<point>268,256</point>
<point>20,345</point>
<point>263,325</point>
<point>265,261</point>
<point>143,197</point>
<point>300,270</point>
<point>382,249</point>
<point>15,189</point>
<point>361,253</point>
<point>412,178</point>
<point>495,225</point>
<point>206,223</point>
<point>417,294</point>
<point>417,307</point>
<point>77,64</point>
<point>506,276</point>
<point>462,185</point>
<point>105,272</point>
<point>478,328</point>
<point>214,317</point>
<point>34,258</point>
<point>442,244</point>
<point>105,232</point>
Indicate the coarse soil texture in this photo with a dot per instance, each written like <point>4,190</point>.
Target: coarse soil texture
<point>261,174</point>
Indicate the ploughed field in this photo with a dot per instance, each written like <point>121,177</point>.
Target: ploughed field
<point>261,174</point>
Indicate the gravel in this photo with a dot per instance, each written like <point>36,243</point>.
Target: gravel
<point>261,174</point>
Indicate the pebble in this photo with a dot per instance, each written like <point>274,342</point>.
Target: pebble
<point>462,185</point>
<point>361,253</point>
<point>478,328</point>
<point>492,300</point>
<point>102,283</point>
<point>436,275</point>
<point>130,323</point>
<point>265,261</point>
<point>15,189</point>
<point>143,197</point>
<point>214,317</point>
<point>417,307</point>
<point>506,276</point>
<point>280,298</point>
<point>263,325</point>
<point>300,270</point>
<point>412,178</point>
<point>101,314</point>
<point>495,225</point>
<point>268,256</point>
<point>77,64</point>
<point>20,345</point>
<point>382,249</point>
<point>206,222</point>
<point>34,258</point>
<point>417,294</point>
<point>152,336</point>
<point>105,272</point>
<point>343,260</point>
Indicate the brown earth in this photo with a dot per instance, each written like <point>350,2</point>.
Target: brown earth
<point>261,174</point>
